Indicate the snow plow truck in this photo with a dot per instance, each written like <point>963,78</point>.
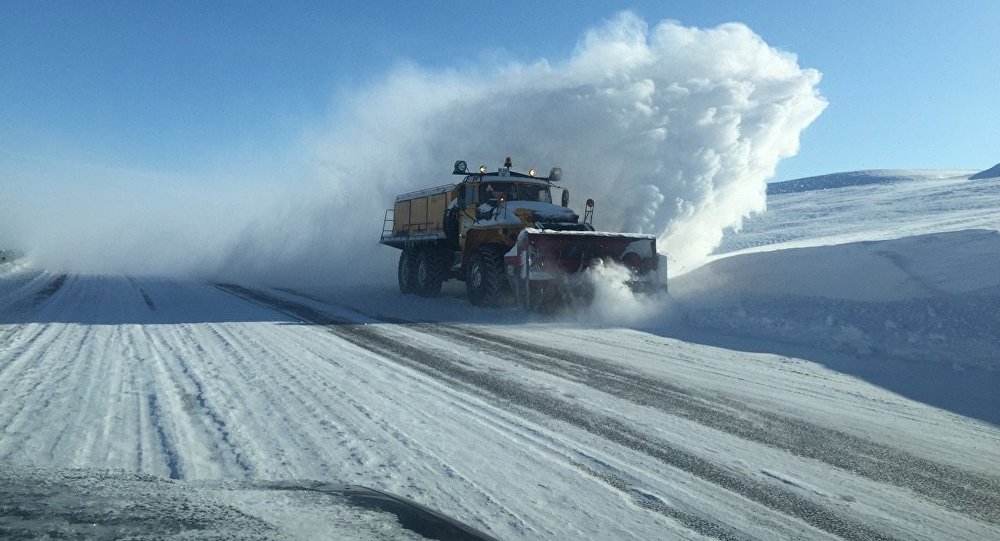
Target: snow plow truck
<point>499,231</point>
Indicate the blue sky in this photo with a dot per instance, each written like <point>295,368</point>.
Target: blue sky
<point>182,87</point>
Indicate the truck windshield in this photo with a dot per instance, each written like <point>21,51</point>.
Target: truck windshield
<point>514,192</point>
<point>534,192</point>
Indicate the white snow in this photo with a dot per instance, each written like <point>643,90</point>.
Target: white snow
<point>926,203</point>
<point>828,375</point>
<point>907,269</point>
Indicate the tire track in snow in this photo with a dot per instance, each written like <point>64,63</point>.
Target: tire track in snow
<point>145,296</point>
<point>25,305</point>
<point>23,287</point>
<point>167,447</point>
<point>80,429</point>
<point>586,462</point>
<point>155,448</point>
<point>22,379</point>
<point>653,503</point>
<point>35,389</point>
<point>276,406</point>
<point>298,377</point>
<point>50,289</point>
<point>184,377</point>
<point>16,352</point>
<point>964,492</point>
<point>509,394</point>
<point>29,296</point>
<point>77,380</point>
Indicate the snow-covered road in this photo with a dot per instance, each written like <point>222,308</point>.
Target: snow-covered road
<point>535,430</point>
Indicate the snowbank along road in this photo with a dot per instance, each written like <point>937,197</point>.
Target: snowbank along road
<point>533,430</point>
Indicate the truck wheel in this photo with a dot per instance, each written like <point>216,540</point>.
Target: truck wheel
<point>430,272</point>
<point>407,272</point>
<point>485,279</point>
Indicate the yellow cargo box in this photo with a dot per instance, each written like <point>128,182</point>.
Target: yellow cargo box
<point>421,213</point>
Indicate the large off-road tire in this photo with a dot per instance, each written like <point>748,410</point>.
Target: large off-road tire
<point>406,273</point>
<point>485,280</point>
<point>431,271</point>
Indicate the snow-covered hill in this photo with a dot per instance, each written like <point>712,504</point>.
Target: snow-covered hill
<point>906,268</point>
<point>914,203</point>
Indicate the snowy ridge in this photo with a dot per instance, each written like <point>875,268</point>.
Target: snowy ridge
<point>992,172</point>
<point>917,206</point>
<point>858,178</point>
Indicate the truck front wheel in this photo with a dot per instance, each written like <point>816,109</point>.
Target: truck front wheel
<point>484,278</point>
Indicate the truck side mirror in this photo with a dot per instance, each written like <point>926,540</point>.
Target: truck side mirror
<point>565,198</point>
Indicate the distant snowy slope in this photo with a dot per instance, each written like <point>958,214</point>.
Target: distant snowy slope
<point>905,268</point>
<point>992,172</point>
<point>859,178</point>
<point>923,203</point>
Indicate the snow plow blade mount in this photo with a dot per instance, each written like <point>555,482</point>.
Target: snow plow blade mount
<point>546,266</point>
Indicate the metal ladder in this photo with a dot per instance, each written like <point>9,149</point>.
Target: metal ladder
<point>387,223</point>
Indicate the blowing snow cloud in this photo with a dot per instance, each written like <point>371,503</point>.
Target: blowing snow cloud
<point>673,130</point>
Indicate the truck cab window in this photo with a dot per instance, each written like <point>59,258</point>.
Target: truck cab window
<point>534,192</point>
<point>495,190</point>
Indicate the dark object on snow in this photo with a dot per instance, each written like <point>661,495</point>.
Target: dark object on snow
<point>992,172</point>
<point>57,503</point>
<point>835,180</point>
<point>412,516</point>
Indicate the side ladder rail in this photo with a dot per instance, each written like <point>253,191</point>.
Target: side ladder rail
<point>387,224</point>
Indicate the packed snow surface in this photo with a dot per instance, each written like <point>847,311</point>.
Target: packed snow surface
<point>828,376</point>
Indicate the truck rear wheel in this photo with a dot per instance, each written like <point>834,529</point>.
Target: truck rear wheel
<point>485,279</point>
<point>430,272</point>
<point>406,273</point>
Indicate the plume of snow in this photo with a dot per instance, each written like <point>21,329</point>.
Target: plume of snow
<point>614,303</point>
<point>673,130</point>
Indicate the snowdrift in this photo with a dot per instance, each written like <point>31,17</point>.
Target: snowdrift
<point>932,297</point>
